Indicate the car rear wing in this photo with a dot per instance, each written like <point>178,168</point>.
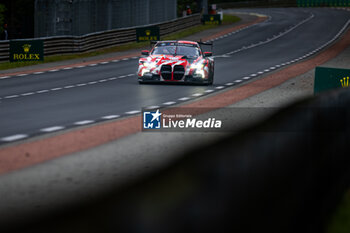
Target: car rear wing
<point>153,43</point>
<point>206,44</point>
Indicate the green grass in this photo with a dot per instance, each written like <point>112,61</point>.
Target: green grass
<point>340,222</point>
<point>227,19</point>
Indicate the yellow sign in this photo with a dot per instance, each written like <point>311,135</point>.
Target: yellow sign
<point>26,50</point>
<point>344,82</point>
<point>148,32</point>
<point>147,38</point>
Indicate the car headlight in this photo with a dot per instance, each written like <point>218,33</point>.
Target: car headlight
<point>149,65</point>
<point>198,69</point>
<point>198,66</point>
<point>145,70</point>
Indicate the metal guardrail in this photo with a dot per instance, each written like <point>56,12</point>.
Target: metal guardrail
<point>89,42</point>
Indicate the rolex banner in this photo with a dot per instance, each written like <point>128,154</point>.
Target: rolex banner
<point>147,34</point>
<point>330,78</point>
<point>26,50</point>
<point>212,19</point>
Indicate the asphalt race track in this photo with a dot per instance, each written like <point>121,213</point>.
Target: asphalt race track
<point>50,101</point>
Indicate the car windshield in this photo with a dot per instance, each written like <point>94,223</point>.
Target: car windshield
<point>188,51</point>
<point>167,50</point>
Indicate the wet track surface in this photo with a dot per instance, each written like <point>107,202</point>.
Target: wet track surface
<point>50,101</point>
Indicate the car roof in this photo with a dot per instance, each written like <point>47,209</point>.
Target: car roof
<point>179,42</point>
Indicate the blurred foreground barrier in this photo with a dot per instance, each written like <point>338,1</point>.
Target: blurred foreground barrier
<point>286,175</point>
<point>78,44</point>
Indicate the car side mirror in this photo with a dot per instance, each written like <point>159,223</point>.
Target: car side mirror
<point>145,52</point>
<point>208,54</point>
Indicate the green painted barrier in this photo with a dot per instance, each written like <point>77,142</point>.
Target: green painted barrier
<point>147,34</point>
<point>330,78</point>
<point>26,50</point>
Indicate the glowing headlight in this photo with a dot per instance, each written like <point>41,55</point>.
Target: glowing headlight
<point>144,71</point>
<point>198,69</point>
<point>198,66</point>
<point>201,73</point>
<point>149,65</point>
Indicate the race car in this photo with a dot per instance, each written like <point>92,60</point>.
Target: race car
<point>176,62</point>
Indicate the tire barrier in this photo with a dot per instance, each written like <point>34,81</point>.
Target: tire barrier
<point>286,174</point>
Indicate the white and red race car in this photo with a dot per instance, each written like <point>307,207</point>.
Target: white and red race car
<point>176,61</point>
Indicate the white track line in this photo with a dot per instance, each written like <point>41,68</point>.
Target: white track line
<point>110,117</point>
<point>132,112</point>
<point>14,137</point>
<point>152,107</point>
<point>11,96</point>
<point>28,93</point>
<point>21,75</point>
<point>51,129</point>
<point>84,122</point>
<point>169,103</point>
<point>42,91</point>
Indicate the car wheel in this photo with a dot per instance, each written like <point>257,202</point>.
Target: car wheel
<point>211,79</point>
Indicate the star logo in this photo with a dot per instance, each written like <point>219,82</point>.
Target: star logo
<point>156,115</point>
<point>151,120</point>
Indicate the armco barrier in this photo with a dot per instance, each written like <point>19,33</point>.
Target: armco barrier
<point>286,175</point>
<point>77,44</point>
